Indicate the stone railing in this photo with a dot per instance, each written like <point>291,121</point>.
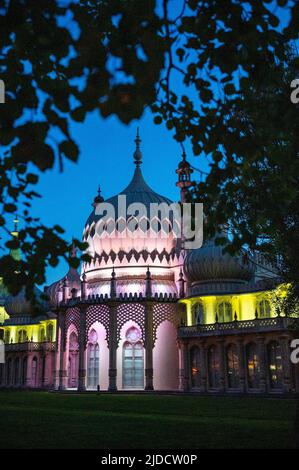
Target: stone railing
<point>30,346</point>
<point>126,297</point>
<point>235,327</point>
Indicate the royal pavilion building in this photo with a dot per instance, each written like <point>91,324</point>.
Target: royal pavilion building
<point>148,314</point>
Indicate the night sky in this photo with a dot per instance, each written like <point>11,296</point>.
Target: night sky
<point>106,159</point>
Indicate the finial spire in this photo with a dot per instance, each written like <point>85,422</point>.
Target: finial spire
<point>137,153</point>
<point>98,199</point>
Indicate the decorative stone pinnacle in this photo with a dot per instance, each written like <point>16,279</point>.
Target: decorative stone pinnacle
<point>148,273</point>
<point>113,285</point>
<point>181,284</point>
<point>148,284</point>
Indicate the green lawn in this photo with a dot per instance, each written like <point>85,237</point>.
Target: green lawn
<point>48,420</point>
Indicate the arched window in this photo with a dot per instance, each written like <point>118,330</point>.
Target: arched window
<point>22,336</point>
<point>213,367</point>
<point>42,335</point>
<point>34,372</point>
<point>195,366</point>
<point>225,313</point>
<point>275,364</point>
<point>93,359</point>
<point>133,367</point>
<point>264,309</point>
<point>198,314</point>
<point>73,361</point>
<point>232,366</point>
<point>253,366</point>
<point>50,331</point>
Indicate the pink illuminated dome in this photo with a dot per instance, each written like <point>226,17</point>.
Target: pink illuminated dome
<point>130,247</point>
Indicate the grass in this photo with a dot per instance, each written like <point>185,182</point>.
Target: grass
<point>48,420</point>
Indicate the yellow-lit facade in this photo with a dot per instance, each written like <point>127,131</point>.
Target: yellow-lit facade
<point>40,332</point>
<point>245,306</point>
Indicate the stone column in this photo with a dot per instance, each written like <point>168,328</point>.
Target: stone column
<point>203,366</point>
<point>181,366</point>
<point>242,366</point>
<point>82,351</point>
<point>149,384</point>
<point>62,353</point>
<point>186,367</point>
<point>286,364</point>
<point>56,362</point>
<point>220,342</point>
<point>112,347</point>
<point>29,370</point>
<point>263,364</point>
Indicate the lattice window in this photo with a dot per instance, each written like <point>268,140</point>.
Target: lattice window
<point>163,312</point>
<point>98,313</point>
<point>72,317</point>
<point>134,312</point>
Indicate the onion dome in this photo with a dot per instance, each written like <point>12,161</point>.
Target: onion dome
<point>73,281</point>
<point>208,269</point>
<point>138,191</point>
<point>19,306</point>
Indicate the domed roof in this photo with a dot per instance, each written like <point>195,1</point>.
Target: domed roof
<point>74,282</point>
<point>137,191</point>
<point>209,264</point>
<point>19,305</point>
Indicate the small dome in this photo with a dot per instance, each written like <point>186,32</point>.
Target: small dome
<point>210,264</point>
<point>74,282</point>
<point>18,305</point>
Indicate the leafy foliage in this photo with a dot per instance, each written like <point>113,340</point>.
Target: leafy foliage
<point>216,74</point>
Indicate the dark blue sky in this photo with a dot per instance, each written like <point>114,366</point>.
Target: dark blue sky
<point>106,159</point>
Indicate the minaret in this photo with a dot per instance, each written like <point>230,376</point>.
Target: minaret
<point>184,172</point>
<point>181,285</point>
<point>65,290</point>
